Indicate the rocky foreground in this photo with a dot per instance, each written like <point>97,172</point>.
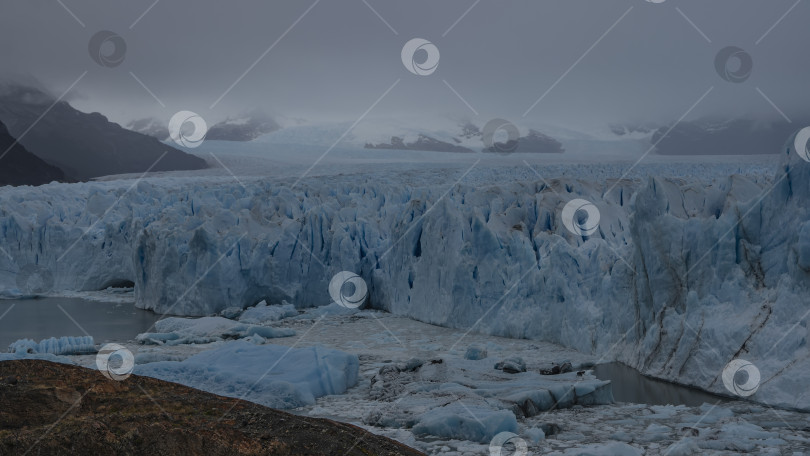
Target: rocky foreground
<point>56,409</point>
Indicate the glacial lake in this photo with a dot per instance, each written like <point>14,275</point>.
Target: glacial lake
<point>42,318</point>
<point>630,386</point>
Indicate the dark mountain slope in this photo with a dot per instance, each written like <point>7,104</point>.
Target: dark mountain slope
<point>83,145</point>
<point>20,167</point>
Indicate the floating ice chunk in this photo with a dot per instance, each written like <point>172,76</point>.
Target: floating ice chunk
<point>24,346</point>
<point>531,402</point>
<point>748,431</point>
<point>241,331</point>
<point>721,412</point>
<point>475,353</point>
<point>456,421</point>
<point>471,384</point>
<point>173,339</point>
<point>601,449</point>
<point>154,356</point>
<point>685,447</point>
<point>511,365</point>
<point>204,326</point>
<point>271,375</point>
<point>623,436</point>
<point>656,433</point>
<point>328,310</point>
<point>571,436</point>
<point>535,435</point>
<point>176,331</point>
<point>256,339</point>
<point>156,338</point>
<point>66,345</point>
<point>231,312</point>
<point>407,366</point>
<point>260,315</point>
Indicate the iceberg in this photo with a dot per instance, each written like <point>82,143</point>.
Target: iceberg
<point>271,375</point>
<point>465,423</point>
<point>608,449</point>
<point>66,345</point>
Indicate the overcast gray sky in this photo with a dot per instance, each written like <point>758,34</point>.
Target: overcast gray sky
<point>500,57</point>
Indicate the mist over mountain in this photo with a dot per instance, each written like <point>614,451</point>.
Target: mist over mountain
<point>151,127</point>
<point>83,145</point>
<point>245,127</point>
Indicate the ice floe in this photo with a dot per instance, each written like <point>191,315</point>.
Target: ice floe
<point>272,375</point>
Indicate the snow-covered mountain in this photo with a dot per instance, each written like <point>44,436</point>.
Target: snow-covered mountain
<point>684,274</point>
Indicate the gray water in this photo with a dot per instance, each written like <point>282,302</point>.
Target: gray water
<point>55,317</point>
<point>630,386</point>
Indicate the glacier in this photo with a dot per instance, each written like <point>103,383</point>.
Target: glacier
<point>693,265</point>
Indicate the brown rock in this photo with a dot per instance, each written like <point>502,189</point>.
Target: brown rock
<point>58,409</point>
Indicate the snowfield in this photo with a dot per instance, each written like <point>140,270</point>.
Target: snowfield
<point>692,266</point>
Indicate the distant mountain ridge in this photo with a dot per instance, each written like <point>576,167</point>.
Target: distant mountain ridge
<point>534,142</point>
<point>83,145</point>
<point>470,139</point>
<point>714,136</point>
<point>723,137</point>
<point>423,142</point>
